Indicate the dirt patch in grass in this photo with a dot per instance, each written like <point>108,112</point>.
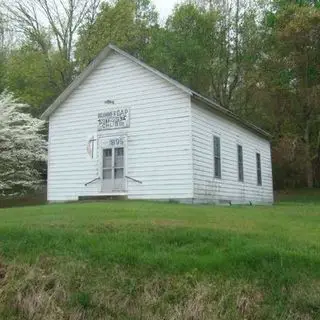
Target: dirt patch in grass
<point>3,271</point>
<point>54,290</point>
<point>29,292</point>
<point>42,292</point>
<point>306,299</point>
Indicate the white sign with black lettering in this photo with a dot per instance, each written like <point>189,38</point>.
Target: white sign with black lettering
<point>115,118</point>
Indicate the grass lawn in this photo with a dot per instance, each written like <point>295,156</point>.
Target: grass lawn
<point>146,260</point>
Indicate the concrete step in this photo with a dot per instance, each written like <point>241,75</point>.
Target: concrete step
<point>102,197</point>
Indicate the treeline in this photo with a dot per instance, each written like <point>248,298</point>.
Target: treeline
<point>260,60</point>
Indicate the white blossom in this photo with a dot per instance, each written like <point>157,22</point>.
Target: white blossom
<point>22,147</point>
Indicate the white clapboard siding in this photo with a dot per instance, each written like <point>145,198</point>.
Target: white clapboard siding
<point>158,140</point>
<point>205,124</point>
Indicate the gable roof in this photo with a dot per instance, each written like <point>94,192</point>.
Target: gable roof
<point>112,48</point>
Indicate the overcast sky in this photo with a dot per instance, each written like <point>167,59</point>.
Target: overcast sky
<point>165,7</point>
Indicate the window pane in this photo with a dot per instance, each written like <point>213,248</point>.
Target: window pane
<point>259,179</point>
<point>119,157</point>
<point>217,157</point>
<point>118,173</point>
<point>216,142</point>
<point>259,175</point>
<point>107,158</point>
<point>217,168</point>
<point>240,163</point>
<point>107,174</point>
<point>240,172</point>
<point>119,151</point>
<point>107,152</point>
<point>258,161</point>
<point>240,153</point>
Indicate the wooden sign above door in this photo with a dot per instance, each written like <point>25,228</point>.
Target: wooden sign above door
<point>115,118</point>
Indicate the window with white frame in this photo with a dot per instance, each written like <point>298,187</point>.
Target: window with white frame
<point>240,163</point>
<point>217,157</point>
<point>259,174</point>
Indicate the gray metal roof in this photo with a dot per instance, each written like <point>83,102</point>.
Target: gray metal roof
<point>107,50</point>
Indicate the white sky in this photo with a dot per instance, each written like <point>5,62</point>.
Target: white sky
<point>164,7</point>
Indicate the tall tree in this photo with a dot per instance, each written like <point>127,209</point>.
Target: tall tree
<point>34,76</point>
<point>290,77</point>
<point>58,19</point>
<point>126,23</point>
<point>182,49</point>
<point>6,44</point>
<point>208,49</point>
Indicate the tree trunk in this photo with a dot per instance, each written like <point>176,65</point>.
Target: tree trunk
<point>309,171</point>
<point>309,167</point>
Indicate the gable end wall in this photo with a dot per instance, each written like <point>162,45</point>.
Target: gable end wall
<point>158,140</point>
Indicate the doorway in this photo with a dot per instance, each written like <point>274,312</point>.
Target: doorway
<point>113,169</point>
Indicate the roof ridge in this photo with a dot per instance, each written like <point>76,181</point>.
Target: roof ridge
<point>111,47</point>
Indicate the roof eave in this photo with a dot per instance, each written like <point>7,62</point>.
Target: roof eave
<point>231,115</point>
<point>76,82</point>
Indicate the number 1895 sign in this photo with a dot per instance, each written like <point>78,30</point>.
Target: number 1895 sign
<point>114,119</point>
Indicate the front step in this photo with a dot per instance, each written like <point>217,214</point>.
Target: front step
<point>103,197</point>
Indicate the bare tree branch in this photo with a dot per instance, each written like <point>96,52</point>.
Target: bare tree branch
<point>57,18</point>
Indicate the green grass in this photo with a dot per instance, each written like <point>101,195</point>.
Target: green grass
<point>299,195</point>
<point>146,260</point>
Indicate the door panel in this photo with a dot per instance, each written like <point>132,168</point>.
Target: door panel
<point>119,168</point>
<point>113,169</point>
<point>107,174</point>
<point>107,158</point>
<point>107,177</point>
<point>119,157</point>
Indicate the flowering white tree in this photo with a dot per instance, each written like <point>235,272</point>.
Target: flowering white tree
<point>22,147</point>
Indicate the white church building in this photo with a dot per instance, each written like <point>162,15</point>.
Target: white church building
<point>125,129</point>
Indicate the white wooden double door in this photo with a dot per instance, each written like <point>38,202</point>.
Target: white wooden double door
<point>113,168</point>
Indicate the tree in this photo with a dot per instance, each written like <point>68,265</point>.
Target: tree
<point>22,148</point>
<point>28,77</point>
<point>126,23</point>
<point>290,75</point>
<point>207,49</point>
<point>58,21</point>
<point>182,48</point>
<point>6,44</point>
